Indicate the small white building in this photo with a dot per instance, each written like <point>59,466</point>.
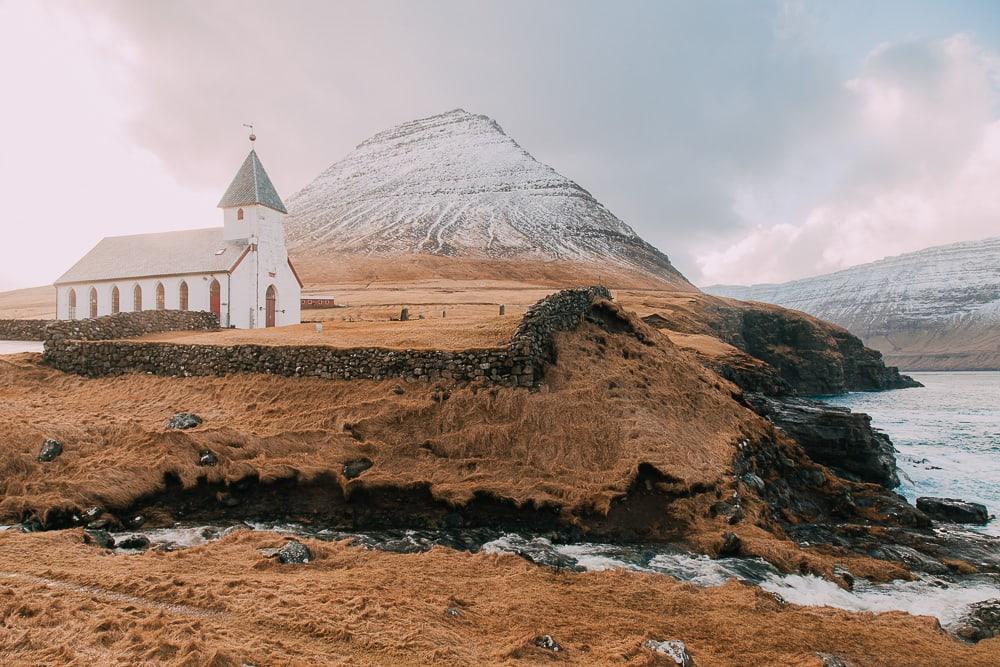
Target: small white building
<point>240,271</point>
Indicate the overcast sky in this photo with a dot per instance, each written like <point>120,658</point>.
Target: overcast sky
<point>750,141</point>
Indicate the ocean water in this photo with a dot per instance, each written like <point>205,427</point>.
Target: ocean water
<point>947,434</point>
<point>15,346</point>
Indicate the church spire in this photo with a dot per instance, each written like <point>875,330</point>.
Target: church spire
<point>251,185</point>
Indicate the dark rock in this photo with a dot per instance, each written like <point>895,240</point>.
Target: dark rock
<point>92,513</point>
<point>453,612</point>
<point>753,481</point>
<point>184,420</point>
<point>913,559</point>
<point>134,542</point>
<point>672,649</point>
<point>731,546</point>
<point>982,621</point>
<point>548,643</point>
<point>831,660</point>
<point>294,552</point>
<point>835,437</point>
<point>354,468</point>
<point>135,521</point>
<point>207,457</point>
<point>732,512</point>
<point>953,510</point>
<point>50,450</point>
<point>398,390</point>
<point>98,537</point>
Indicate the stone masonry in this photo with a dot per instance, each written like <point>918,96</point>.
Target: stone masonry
<point>23,329</point>
<point>95,348</point>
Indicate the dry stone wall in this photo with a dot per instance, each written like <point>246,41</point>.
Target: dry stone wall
<point>94,348</point>
<point>23,329</point>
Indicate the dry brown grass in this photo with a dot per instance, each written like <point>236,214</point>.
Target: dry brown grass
<point>463,328</point>
<point>226,604</point>
<point>331,268</point>
<point>610,404</point>
<point>33,303</point>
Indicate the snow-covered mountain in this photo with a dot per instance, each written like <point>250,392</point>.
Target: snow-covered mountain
<point>935,308</point>
<point>456,185</point>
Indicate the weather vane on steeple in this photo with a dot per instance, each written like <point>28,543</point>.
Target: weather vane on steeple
<point>253,137</point>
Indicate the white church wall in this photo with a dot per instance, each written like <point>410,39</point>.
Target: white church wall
<point>199,295</point>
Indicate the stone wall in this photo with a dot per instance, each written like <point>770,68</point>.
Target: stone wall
<point>23,329</point>
<point>95,348</point>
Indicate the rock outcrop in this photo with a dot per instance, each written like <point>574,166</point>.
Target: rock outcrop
<point>981,622</point>
<point>813,357</point>
<point>835,437</point>
<point>953,510</point>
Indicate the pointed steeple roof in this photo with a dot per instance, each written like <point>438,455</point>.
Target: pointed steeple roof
<point>251,185</point>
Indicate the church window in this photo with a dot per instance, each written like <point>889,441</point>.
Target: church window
<point>137,298</point>
<point>184,296</point>
<point>161,297</point>
<point>115,300</point>
<point>72,304</point>
<point>93,302</point>
<point>239,214</point>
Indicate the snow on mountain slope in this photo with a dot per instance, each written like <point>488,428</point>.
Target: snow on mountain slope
<point>456,185</point>
<point>926,309</point>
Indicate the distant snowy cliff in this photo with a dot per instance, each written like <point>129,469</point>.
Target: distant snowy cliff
<point>937,308</point>
<point>456,185</point>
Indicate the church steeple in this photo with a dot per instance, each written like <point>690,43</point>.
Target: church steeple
<point>251,186</point>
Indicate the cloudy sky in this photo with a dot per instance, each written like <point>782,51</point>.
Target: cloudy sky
<point>751,141</point>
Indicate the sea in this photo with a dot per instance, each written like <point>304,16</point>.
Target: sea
<point>947,434</point>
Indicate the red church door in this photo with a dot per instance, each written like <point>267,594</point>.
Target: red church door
<point>215,300</point>
<point>271,299</point>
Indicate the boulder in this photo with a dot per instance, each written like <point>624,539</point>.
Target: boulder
<point>134,542</point>
<point>981,622</point>
<point>184,420</point>
<point>731,545</point>
<point>294,552</point>
<point>98,537</point>
<point>672,649</point>
<point>953,510</point>
<point>354,468</point>
<point>50,450</point>
<point>207,458</point>
<point>548,643</point>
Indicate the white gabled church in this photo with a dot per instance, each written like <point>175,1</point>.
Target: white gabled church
<point>240,271</point>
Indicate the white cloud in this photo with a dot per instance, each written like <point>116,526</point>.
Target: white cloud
<point>922,150</point>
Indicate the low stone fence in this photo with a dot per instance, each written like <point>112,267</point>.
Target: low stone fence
<point>98,350</point>
<point>23,329</point>
<point>129,325</point>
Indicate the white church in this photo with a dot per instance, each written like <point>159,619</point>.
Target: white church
<point>240,271</point>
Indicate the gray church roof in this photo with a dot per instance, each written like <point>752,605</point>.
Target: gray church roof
<point>162,254</point>
<point>252,186</point>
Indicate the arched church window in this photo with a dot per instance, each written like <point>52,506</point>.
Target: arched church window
<point>183,295</point>
<point>239,214</point>
<point>93,302</point>
<point>71,301</point>
<point>137,298</point>
<point>161,297</point>
<point>115,300</point>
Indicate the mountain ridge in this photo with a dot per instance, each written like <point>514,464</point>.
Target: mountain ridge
<point>456,185</point>
<point>933,309</point>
